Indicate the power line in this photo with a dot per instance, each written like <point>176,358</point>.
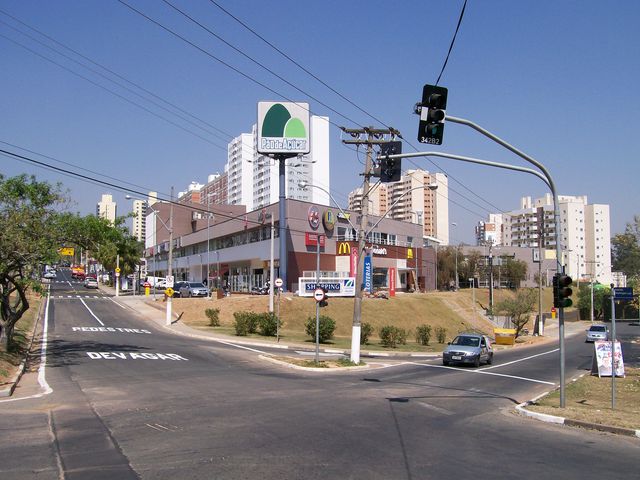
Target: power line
<point>452,41</point>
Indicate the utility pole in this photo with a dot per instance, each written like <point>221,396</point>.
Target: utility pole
<point>169,270</point>
<point>371,137</point>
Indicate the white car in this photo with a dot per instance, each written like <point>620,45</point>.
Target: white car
<point>90,282</point>
<point>597,332</point>
<point>50,274</point>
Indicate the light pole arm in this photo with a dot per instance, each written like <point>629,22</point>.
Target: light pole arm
<point>390,209</point>
<point>169,229</point>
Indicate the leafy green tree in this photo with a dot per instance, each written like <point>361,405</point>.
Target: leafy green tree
<point>584,300</point>
<point>446,266</point>
<point>515,271</point>
<point>519,307</point>
<point>30,237</point>
<point>625,250</point>
<point>470,266</point>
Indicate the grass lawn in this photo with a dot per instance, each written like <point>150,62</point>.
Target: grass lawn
<point>10,361</point>
<point>588,399</point>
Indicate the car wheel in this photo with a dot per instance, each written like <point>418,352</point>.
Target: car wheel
<point>476,363</point>
<point>490,359</point>
<point>190,295</point>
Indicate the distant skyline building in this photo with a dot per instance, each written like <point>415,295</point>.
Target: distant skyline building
<point>425,206</point>
<point>106,208</point>
<point>138,222</point>
<point>489,232</point>
<point>253,179</point>
<point>585,235</point>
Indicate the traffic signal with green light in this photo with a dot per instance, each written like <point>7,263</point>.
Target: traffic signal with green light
<point>562,290</point>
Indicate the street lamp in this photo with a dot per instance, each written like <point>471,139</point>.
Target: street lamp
<point>454,224</point>
<point>170,259</point>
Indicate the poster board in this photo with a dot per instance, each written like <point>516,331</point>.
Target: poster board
<point>602,359</point>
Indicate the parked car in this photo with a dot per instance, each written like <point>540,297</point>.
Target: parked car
<point>193,289</point>
<point>468,348</point>
<point>90,282</point>
<point>597,332</point>
<point>50,274</point>
<point>177,286</point>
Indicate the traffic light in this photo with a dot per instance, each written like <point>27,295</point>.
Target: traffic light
<point>432,114</point>
<point>323,302</point>
<point>390,168</point>
<point>562,290</point>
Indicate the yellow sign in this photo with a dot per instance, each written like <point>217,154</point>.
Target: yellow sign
<point>117,270</point>
<point>66,251</point>
<point>409,252</point>
<point>344,248</point>
<point>169,292</point>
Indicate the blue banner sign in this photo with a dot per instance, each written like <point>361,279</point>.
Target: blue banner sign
<point>368,274</point>
<point>338,287</point>
<point>623,293</point>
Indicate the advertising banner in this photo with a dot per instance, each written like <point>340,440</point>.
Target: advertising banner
<point>283,128</point>
<point>602,359</point>
<point>353,265</point>
<point>392,282</point>
<point>368,274</point>
<point>339,287</point>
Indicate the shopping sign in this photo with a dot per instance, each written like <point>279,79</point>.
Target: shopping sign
<point>339,287</point>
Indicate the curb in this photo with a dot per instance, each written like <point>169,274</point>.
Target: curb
<point>545,417</point>
<point>312,369</point>
<point>8,391</point>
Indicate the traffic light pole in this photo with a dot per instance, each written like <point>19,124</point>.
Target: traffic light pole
<point>545,176</point>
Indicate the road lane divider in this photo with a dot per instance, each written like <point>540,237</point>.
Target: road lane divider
<point>92,314</point>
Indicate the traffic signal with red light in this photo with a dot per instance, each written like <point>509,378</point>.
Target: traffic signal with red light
<point>562,290</point>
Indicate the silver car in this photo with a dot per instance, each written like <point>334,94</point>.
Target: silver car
<point>468,348</point>
<point>597,332</point>
<point>193,289</point>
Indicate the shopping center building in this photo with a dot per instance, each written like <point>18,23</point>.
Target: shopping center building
<point>236,246</point>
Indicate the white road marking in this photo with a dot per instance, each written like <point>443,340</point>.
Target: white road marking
<point>436,409</point>
<point>69,284</point>
<point>151,426</point>
<point>522,359</point>
<point>42,380</point>
<point>320,354</point>
<point>484,372</point>
<point>93,314</point>
<point>120,305</point>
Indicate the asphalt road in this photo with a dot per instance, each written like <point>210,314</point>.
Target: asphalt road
<point>131,400</point>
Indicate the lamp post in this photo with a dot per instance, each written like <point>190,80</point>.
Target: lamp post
<point>170,259</point>
<point>454,224</point>
<point>420,219</point>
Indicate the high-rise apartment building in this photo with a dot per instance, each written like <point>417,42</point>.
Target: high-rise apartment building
<point>138,222</point>
<point>106,208</point>
<point>490,232</point>
<point>419,197</point>
<point>584,233</point>
<point>253,179</point>
<point>377,200</point>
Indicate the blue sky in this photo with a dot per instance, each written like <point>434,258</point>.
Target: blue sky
<point>557,79</point>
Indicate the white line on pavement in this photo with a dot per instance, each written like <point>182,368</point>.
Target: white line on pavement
<point>120,305</point>
<point>522,359</point>
<point>93,314</point>
<point>483,371</point>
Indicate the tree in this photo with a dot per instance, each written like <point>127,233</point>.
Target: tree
<point>584,300</point>
<point>470,266</point>
<point>519,307</point>
<point>516,272</point>
<point>30,237</point>
<point>446,266</point>
<point>625,250</point>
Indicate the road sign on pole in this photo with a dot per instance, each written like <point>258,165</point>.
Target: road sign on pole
<point>170,281</point>
<point>623,293</point>
<point>278,282</point>
<point>318,294</point>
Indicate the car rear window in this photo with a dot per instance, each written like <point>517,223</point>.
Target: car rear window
<point>598,328</point>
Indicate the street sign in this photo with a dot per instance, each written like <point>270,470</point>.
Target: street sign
<point>278,283</point>
<point>117,269</point>
<point>117,274</point>
<point>66,251</point>
<point>623,293</point>
<point>318,294</point>
<point>170,281</point>
<point>169,292</point>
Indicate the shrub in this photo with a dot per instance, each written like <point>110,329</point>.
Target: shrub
<point>268,324</point>
<point>441,334</point>
<point>366,329</point>
<point>392,336</point>
<point>213,314</point>
<point>423,334</point>
<point>246,322</point>
<point>327,327</point>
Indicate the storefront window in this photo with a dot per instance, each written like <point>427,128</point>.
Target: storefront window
<point>379,278</point>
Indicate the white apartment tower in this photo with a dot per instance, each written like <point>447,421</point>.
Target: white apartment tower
<point>584,233</point>
<point>138,222</point>
<point>254,178</point>
<point>377,200</point>
<point>490,232</point>
<point>106,208</point>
